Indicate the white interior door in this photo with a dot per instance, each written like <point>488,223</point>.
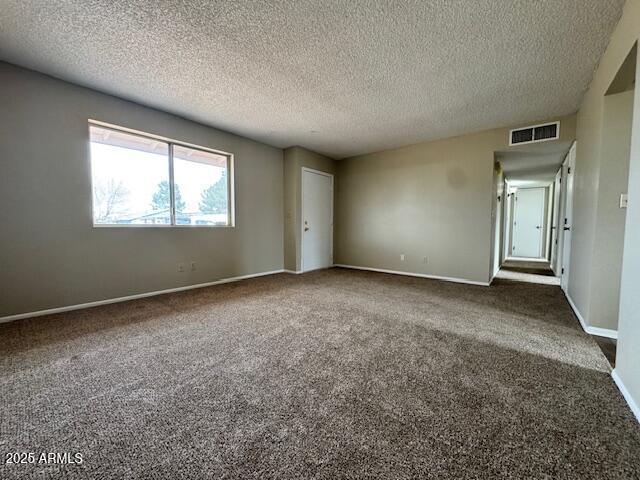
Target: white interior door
<point>508,220</point>
<point>555,217</point>
<point>317,220</point>
<point>528,223</point>
<point>567,171</point>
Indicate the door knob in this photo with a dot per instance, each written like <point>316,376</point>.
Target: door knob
<point>567,228</point>
<point>306,229</point>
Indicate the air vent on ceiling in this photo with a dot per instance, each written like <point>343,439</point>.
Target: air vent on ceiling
<point>535,133</point>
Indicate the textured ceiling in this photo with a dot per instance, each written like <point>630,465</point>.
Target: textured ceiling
<point>339,77</point>
<point>534,163</point>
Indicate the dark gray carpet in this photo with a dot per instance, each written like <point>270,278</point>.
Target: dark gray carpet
<point>332,374</point>
<point>523,266</point>
<point>608,347</point>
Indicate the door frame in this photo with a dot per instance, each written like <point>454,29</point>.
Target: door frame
<point>556,214</point>
<point>567,206</point>
<point>544,237</point>
<point>304,170</point>
<point>507,221</point>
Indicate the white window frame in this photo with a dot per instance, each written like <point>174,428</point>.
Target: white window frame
<point>231,221</point>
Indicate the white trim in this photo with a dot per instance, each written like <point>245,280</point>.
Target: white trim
<point>507,223</point>
<point>411,274</point>
<point>543,229</point>
<point>532,127</point>
<point>566,217</point>
<point>597,331</point>
<point>635,408</point>
<point>172,186</point>
<point>527,259</point>
<point>140,133</point>
<point>603,332</point>
<point>231,215</point>
<point>577,313</point>
<point>531,183</point>
<point>108,301</point>
<point>317,269</point>
<point>294,272</point>
<point>318,172</point>
<point>555,222</point>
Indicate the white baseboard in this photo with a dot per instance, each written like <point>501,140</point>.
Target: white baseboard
<point>411,274</point>
<point>294,272</point>
<point>603,332</point>
<point>597,331</point>
<point>527,259</point>
<point>635,408</point>
<point>50,311</point>
<point>493,276</point>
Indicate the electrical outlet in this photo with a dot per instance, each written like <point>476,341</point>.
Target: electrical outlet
<point>181,267</point>
<point>193,266</point>
<point>425,260</point>
<point>402,257</point>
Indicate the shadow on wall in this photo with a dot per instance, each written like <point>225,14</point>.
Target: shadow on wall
<point>457,178</point>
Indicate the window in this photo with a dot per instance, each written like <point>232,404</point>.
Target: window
<point>201,187</point>
<point>143,180</point>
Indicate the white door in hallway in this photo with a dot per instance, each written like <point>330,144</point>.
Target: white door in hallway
<point>528,223</point>
<point>555,222</point>
<point>317,220</point>
<point>567,221</point>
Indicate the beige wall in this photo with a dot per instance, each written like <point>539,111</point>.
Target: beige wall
<point>597,185</point>
<point>497,218</point>
<point>628,353</point>
<point>51,256</point>
<point>606,263</point>
<point>432,199</point>
<point>295,158</point>
<point>597,166</point>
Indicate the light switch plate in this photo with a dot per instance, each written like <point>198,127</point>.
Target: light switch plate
<point>623,200</point>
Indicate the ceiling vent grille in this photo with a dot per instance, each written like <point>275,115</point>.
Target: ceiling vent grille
<point>535,133</point>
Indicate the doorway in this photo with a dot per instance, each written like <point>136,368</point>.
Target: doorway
<point>317,220</point>
<point>528,223</point>
<point>568,167</point>
<point>555,219</point>
<point>530,242</point>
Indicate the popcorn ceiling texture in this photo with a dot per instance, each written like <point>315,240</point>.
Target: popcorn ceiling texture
<point>338,77</point>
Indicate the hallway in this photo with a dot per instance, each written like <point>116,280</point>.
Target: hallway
<point>541,273</point>
<point>528,271</point>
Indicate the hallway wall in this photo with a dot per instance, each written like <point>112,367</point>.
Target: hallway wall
<point>591,163</point>
<point>606,263</point>
<point>432,199</point>
<point>597,168</point>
